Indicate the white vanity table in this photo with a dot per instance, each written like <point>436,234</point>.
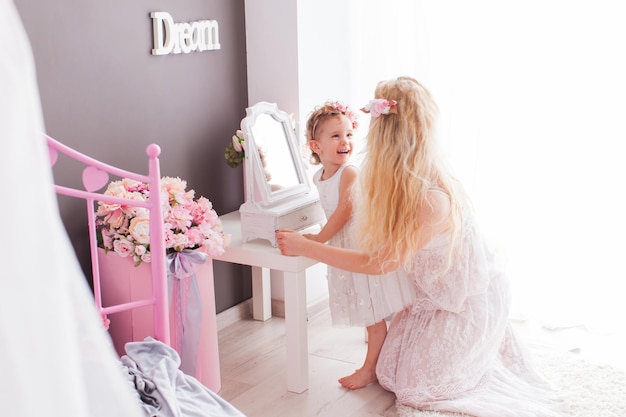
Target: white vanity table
<point>263,257</point>
<point>278,194</point>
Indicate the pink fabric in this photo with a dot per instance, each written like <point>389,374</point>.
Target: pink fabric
<point>454,349</point>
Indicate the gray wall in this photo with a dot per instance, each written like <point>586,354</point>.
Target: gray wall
<point>104,94</point>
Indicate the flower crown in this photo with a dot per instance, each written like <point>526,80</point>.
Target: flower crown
<point>335,107</point>
<point>380,106</point>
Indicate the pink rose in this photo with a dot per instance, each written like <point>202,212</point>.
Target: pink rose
<point>107,238</point>
<point>177,241</point>
<point>116,189</point>
<point>106,208</point>
<point>202,211</point>
<point>215,244</point>
<point>115,219</point>
<point>140,250</point>
<point>129,184</point>
<point>173,185</point>
<point>123,247</point>
<point>195,236</point>
<point>179,217</point>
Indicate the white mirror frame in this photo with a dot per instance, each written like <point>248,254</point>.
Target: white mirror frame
<point>295,207</point>
<point>256,183</point>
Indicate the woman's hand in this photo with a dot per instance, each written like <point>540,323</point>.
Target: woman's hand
<point>290,243</point>
<point>311,236</point>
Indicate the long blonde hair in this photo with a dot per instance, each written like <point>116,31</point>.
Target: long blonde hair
<point>401,164</point>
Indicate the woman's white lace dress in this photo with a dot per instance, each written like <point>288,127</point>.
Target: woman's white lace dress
<point>454,349</point>
<point>357,299</point>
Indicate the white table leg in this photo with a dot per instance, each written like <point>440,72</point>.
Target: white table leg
<point>261,294</point>
<point>296,332</point>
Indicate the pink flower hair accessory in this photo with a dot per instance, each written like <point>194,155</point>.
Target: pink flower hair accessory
<point>335,107</point>
<point>380,106</point>
<point>345,110</point>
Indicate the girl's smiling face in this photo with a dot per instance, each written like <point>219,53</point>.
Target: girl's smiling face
<point>333,141</point>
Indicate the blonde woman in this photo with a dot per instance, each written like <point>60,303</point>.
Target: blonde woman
<point>453,349</point>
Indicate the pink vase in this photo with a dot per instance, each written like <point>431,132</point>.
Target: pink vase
<point>122,282</point>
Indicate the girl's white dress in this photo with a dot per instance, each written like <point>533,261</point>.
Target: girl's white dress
<point>454,349</point>
<point>357,299</point>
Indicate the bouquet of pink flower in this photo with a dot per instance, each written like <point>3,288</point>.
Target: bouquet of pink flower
<point>188,223</point>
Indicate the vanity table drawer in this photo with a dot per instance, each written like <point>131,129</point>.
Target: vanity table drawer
<point>302,218</point>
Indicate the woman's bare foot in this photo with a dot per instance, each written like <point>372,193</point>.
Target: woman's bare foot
<point>360,378</point>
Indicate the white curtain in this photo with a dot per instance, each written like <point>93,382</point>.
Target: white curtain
<point>56,359</point>
<point>533,103</point>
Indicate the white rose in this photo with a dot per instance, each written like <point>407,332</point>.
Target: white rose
<point>139,229</point>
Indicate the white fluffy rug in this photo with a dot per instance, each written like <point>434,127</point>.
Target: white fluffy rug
<point>595,390</point>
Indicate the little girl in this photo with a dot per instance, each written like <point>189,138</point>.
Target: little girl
<point>329,131</point>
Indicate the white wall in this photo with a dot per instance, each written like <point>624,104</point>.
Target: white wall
<point>302,53</point>
<point>530,95</point>
<point>276,74</point>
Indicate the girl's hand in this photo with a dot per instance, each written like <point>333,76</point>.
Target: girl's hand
<point>290,243</point>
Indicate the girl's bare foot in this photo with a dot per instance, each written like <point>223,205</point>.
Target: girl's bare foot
<point>360,378</point>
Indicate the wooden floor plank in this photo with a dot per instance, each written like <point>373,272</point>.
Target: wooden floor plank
<point>253,366</point>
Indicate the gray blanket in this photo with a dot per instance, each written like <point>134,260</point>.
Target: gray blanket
<point>164,390</point>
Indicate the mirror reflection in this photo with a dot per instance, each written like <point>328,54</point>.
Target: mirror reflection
<point>272,143</point>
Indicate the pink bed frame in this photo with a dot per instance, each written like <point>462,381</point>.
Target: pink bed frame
<point>94,177</point>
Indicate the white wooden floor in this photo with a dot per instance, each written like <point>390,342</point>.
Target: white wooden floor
<point>253,368</point>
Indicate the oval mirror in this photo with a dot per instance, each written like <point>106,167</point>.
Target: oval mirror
<point>275,153</point>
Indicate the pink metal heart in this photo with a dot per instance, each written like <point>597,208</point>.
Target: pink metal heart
<point>94,179</point>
